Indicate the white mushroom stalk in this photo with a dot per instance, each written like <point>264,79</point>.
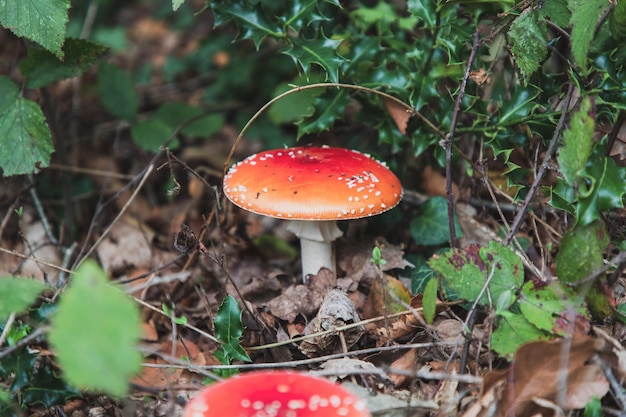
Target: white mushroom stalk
<point>314,187</point>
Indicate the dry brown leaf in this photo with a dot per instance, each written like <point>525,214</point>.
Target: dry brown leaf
<point>336,311</point>
<point>395,299</point>
<point>302,299</point>
<point>407,362</point>
<point>398,113</point>
<point>355,259</point>
<point>126,245</point>
<point>536,371</point>
<point>434,183</point>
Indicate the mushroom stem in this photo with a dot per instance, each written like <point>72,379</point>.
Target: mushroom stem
<point>316,239</point>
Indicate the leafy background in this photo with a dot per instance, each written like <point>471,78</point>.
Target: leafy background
<point>503,119</point>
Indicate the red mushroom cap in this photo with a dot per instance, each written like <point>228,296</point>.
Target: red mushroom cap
<point>275,394</point>
<point>312,183</point>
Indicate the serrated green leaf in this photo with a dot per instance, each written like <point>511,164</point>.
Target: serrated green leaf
<point>26,140</point>
<point>550,308</point>
<point>9,93</point>
<point>18,365</point>
<point>577,142</point>
<point>528,37</point>
<point>429,301</point>
<point>431,226</point>
<point>16,294</point>
<point>42,67</point>
<point>117,92</point>
<point>322,52</point>
<point>581,252</point>
<point>42,21</point>
<point>465,271</point>
<point>329,107</point>
<point>585,15</point>
<point>95,333</point>
<point>513,331</point>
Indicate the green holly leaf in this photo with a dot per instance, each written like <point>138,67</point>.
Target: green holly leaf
<point>322,52</point>
<point>328,108</point>
<point>41,21</point>
<point>617,23</point>
<point>296,106</point>
<point>528,36</point>
<point>251,19</point>
<point>577,142</point>
<point>26,140</point>
<point>464,272</point>
<point>95,333</point>
<point>606,190</point>
<point>42,67</point>
<point>431,226</point>
<point>228,329</point>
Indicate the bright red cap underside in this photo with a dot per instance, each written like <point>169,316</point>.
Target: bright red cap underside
<point>312,183</point>
<point>278,394</point>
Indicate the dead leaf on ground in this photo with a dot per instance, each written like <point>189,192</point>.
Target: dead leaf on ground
<point>342,368</point>
<point>355,259</point>
<point>336,311</point>
<point>535,374</point>
<point>126,245</point>
<point>302,299</point>
<point>395,299</point>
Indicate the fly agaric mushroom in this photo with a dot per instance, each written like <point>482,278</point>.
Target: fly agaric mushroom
<point>278,394</point>
<point>313,187</point>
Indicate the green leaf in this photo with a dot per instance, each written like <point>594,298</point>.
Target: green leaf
<point>581,252</point>
<point>26,140</point>
<point>551,308</point>
<point>607,188</point>
<point>513,331</point>
<point>175,114</point>
<point>465,271</point>
<point>116,91</point>
<point>42,67</point>
<point>228,329</point>
<point>329,107</point>
<point>295,106</point>
<point>557,12</point>
<point>431,226</point>
<point>176,4</point>
<point>41,21</point>
<point>44,387</point>
<point>593,408</point>
<point>617,23</point>
<point>16,294</point>
<point>95,333</point>
<point>585,15</point>
<point>151,134</point>
<point>322,52</point>
<point>425,11</point>
<point>528,36</point>
<point>577,142</point>
<point>251,19</point>
<point>429,301</point>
